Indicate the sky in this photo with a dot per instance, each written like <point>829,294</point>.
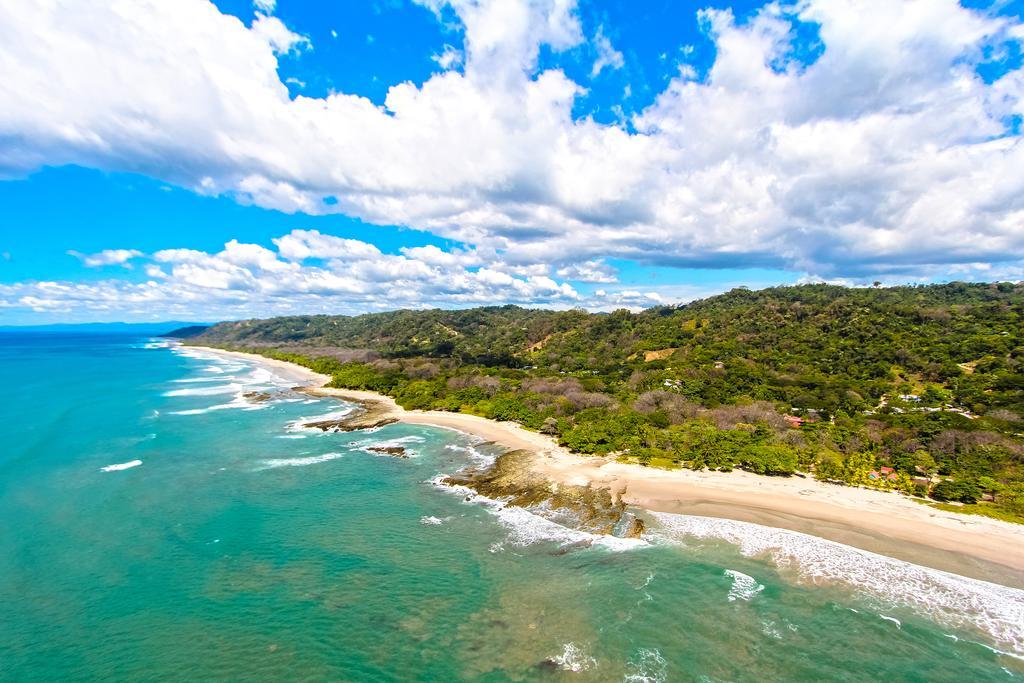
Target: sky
<point>197,160</point>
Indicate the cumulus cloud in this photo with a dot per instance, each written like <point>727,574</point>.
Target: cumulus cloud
<point>281,39</point>
<point>607,56</point>
<point>628,298</point>
<point>299,245</point>
<point>589,271</point>
<point>107,257</point>
<point>887,154</point>
<point>307,271</point>
<point>449,58</point>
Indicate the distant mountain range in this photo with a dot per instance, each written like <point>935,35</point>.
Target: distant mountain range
<point>168,327</point>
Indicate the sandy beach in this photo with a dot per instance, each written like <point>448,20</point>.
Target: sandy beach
<point>289,371</point>
<point>877,521</point>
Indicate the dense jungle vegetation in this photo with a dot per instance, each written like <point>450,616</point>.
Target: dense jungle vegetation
<point>919,389</point>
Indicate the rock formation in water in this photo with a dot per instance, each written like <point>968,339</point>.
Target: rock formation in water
<point>395,451</point>
<point>369,416</point>
<point>513,480</point>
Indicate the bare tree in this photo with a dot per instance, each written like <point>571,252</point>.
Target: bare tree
<point>676,407</point>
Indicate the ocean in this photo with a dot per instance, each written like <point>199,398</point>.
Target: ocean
<point>158,524</point>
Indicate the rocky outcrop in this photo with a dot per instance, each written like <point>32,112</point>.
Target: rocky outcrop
<point>513,480</point>
<point>350,423</point>
<point>369,415</point>
<point>395,451</point>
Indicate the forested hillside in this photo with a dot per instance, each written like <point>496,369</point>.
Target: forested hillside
<point>916,388</point>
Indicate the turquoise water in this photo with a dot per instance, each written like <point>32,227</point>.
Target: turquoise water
<point>244,548</point>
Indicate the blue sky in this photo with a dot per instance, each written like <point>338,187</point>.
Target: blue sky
<point>243,159</point>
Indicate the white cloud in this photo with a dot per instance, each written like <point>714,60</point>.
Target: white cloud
<point>450,57</point>
<point>589,271</point>
<point>265,6</point>
<point>887,155</point>
<point>307,271</point>
<point>299,245</point>
<point>107,257</point>
<point>434,256</point>
<point>280,38</point>
<point>607,56</point>
<point>629,298</point>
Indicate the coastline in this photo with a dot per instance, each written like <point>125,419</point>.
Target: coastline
<point>877,521</point>
<point>295,373</point>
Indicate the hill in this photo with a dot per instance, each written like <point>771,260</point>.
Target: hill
<point>186,331</point>
<point>846,383</point>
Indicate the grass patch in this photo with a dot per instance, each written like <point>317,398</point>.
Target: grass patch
<point>660,463</point>
<point>983,509</point>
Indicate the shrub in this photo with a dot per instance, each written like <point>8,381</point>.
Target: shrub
<point>959,490</point>
<point>769,459</point>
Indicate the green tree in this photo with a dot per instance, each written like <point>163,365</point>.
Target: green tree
<point>769,459</point>
<point>957,490</point>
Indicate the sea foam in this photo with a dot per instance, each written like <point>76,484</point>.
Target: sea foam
<point>526,527</point>
<point>121,466</point>
<point>400,442</point>
<point>300,462</point>
<point>478,457</point>
<point>232,388</point>
<point>646,666</point>
<point>947,598</point>
<point>299,425</point>
<point>573,658</point>
<point>193,380</point>
<point>239,402</point>
<point>744,586</point>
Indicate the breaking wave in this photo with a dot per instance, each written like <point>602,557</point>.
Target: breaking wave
<point>193,380</point>
<point>206,391</point>
<point>121,466</point>
<point>526,527</point>
<point>947,598</point>
<point>646,666</point>
<point>573,658</point>
<point>744,586</point>
<point>299,424</point>
<point>400,442</point>
<point>476,456</point>
<point>299,462</point>
<point>238,403</point>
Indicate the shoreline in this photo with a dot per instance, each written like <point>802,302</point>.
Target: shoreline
<point>877,521</point>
